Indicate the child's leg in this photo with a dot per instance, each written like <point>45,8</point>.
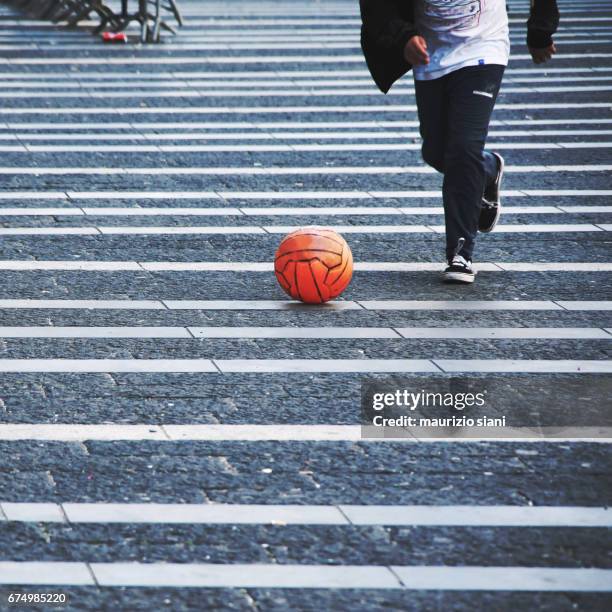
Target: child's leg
<point>431,105</point>
<point>471,94</point>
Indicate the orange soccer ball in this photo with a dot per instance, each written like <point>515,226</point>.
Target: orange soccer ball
<point>313,264</point>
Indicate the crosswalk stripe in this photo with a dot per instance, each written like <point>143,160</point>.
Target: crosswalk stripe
<point>253,575</point>
<point>275,110</point>
<point>26,139</point>
<point>411,365</point>
<point>228,43</point>
<point>276,128</point>
<point>278,148</point>
<point>234,366</point>
<point>368,91</point>
<point>267,59</point>
<point>33,265</point>
<point>162,86</point>
<point>542,333</point>
<point>83,77</point>
<point>286,514</point>
<point>442,305</point>
<point>297,211</point>
<point>277,171</point>
<point>275,195</point>
<point>134,230</point>
<point>273,432</point>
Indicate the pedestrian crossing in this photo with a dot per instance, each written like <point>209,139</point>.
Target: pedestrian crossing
<point>175,433</point>
<point>508,516</point>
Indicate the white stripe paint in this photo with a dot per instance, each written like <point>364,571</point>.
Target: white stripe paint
<point>253,433</point>
<point>236,575</point>
<point>107,365</point>
<point>541,333</point>
<point>223,365</point>
<point>133,230</point>
<point>268,267</point>
<point>504,579</point>
<point>275,195</point>
<point>409,365</point>
<point>240,60</point>
<point>136,211</point>
<point>511,333</point>
<point>279,148</point>
<point>277,127</point>
<point>95,332</point>
<point>251,110</point>
<point>277,43</point>
<point>228,366</point>
<point>277,171</point>
<point>552,366</point>
<point>134,88</point>
<point>83,304</point>
<point>45,573</point>
<point>270,135</point>
<point>408,305</point>
<point>268,514</point>
<point>271,93</point>
<point>84,76</point>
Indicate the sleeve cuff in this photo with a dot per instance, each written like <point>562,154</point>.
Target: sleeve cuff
<point>403,38</point>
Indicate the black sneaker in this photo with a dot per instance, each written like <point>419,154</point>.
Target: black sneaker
<point>459,270</point>
<point>491,200</point>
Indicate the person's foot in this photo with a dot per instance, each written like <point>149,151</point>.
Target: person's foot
<point>491,200</point>
<point>459,270</point>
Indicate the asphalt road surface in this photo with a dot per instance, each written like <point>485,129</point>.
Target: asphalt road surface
<point>175,434</point>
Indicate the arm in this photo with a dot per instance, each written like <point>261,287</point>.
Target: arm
<point>542,24</point>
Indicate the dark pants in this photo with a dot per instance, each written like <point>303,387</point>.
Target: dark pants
<point>454,124</point>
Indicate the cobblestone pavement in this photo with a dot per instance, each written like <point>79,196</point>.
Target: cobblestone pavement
<point>175,435</point>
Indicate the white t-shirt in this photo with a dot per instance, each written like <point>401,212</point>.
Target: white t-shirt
<point>461,33</point>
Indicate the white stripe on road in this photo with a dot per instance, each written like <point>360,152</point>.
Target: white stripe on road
<point>252,575</point>
<point>148,86</point>
<point>134,230</point>
<point>277,171</point>
<point>193,432</point>
<point>288,305</point>
<point>223,366</point>
<point>278,136</point>
<point>95,332</point>
<point>228,366</point>
<point>291,59</point>
<point>273,195</point>
<point>541,333</point>
<point>268,267</point>
<point>86,78</point>
<point>295,92</point>
<point>532,333</point>
<point>374,211</point>
<point>279,148</point>
<point>504,579</point>
<point>45,573</point>
<point>409,365</point>
<point>286,514</point>
<point>276,128</point>
<point>107,365</point>
<point>285,110</point>
<point>276,43</point>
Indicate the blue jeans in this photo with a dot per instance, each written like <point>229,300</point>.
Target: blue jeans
<point>454,115</point>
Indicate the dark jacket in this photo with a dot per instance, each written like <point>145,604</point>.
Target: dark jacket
<point>387,25</point>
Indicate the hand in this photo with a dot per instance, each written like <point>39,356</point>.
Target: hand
<point>415,51</point>
<point>541,56</point>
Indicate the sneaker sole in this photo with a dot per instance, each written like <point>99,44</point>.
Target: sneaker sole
<point>458,277</point>
<point>498,213</point>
